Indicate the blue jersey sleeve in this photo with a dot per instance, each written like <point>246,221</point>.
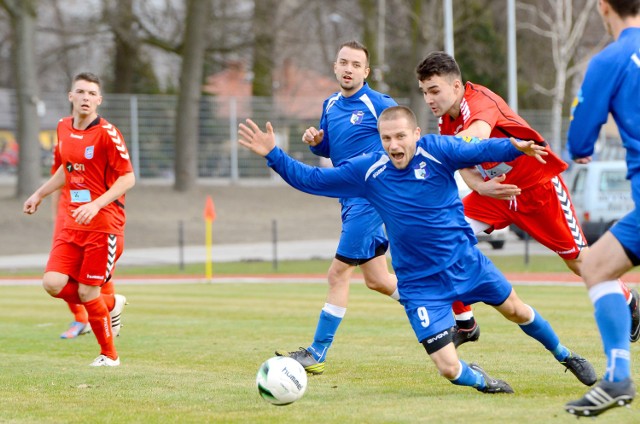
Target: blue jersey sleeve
<point>466,152</point>
<point>590,108</point>
<point>340,182</point>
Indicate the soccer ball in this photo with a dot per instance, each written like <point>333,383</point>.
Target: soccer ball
<point>281,380</point>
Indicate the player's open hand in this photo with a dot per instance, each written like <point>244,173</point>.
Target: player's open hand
<point>256,140</point>
<point>312,136</point>
<point>530,148</point>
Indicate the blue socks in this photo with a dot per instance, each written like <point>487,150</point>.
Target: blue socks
<point>469,377</point>
<point>328,323</point>
<point>541,330</point>
<point>614,323</point>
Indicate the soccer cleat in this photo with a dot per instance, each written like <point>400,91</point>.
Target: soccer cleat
<point>635,316</point>
<point>76,329</point>
<point>604,396</point>
<point>306,359</point>
<point>116,313</point>
<point>461,336</point>
<point>491,385</point>
<point>105,361</point>
<point>581,368</point>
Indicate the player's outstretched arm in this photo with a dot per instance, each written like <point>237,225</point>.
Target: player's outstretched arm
<point>530,148</point>
<point>256,140</point>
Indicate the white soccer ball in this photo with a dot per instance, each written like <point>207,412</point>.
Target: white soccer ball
<point>281,380</point>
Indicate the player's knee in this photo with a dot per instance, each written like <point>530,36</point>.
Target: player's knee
<point>376,283</point>
<point>52,284</point>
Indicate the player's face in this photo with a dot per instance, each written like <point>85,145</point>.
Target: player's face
<point>399,140</point>
<point>85,98</point>
<point>351,69</point>
<point>440,93</point>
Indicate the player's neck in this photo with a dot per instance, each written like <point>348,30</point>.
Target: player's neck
<point>618,25</point>
<point>350,92</point>
<point>81,122</point>
<point>454,112</point>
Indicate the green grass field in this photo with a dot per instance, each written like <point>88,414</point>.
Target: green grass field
<point>190,354</point>
<point>538,263</point>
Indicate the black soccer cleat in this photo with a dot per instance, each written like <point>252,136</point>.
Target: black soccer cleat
<point>581,368</point>
<point>306,359</point>
<point>604,396</point>
<point>461,336</point>
<point>492,385</point>
<point>635,316</point>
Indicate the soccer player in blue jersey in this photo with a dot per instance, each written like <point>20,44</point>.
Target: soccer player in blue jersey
<point>348,128</point>
<point>411,185</point>
<point>611,85</point>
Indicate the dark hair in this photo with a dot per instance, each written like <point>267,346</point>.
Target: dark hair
<point>397,112</point>
<point>87,76</point>
<point>625,8</point>
<point>356,45</point>
<point>437,63</point>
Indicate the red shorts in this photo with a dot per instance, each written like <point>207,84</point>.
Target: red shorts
<point>88,257</point>
<point>545,212</point>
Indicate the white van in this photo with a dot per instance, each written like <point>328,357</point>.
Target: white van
<point>601,195</point>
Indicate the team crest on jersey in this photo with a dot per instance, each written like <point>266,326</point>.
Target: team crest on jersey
<point>420,171</point>
<point>356,117</point>
<point>88,152</point>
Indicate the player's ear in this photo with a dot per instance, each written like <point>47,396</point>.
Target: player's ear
<point>366,71</point>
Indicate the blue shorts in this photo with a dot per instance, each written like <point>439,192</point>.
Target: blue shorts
<point>362,233</point>
<point>473,278</point>
<point>627,230</point>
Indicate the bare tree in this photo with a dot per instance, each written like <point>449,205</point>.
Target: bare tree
<point>119,14</point>
<point>23,15</point>
<point>264,14</point>
<point>187,114</point>
<point>564,27</point>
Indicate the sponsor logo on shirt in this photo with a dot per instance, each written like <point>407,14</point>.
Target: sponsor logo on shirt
<point>88,152</point>
<point>79,137</point>
<point>356,117</point>
<point>420,171</point>
<point>74,167</point>
<point>492,172</point>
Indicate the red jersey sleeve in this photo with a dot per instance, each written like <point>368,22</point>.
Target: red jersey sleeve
<point>480,103</point>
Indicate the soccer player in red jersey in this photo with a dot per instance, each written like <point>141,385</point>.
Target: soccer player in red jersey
<point>60,203</point>
<point>519,192</point>
<point>97,172</point>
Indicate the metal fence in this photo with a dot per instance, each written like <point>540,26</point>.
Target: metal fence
<point>148,122</point>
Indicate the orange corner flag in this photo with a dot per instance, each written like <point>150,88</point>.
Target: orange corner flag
<point>209,210</point>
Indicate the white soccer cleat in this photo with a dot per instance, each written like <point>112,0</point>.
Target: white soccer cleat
<point>116,313</point>
<point>105,361</point>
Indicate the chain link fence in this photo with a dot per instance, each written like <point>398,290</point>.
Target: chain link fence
<point>148,125</point>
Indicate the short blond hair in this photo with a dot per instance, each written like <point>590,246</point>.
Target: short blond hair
<point>397,112</point>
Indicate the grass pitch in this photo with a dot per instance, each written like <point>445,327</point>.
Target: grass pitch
<point>190,354</point>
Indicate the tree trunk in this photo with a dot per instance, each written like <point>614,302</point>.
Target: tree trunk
<point>187,112</point>
<point>120,17</point>
<point>23,23</point>
<point>264,15</point>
